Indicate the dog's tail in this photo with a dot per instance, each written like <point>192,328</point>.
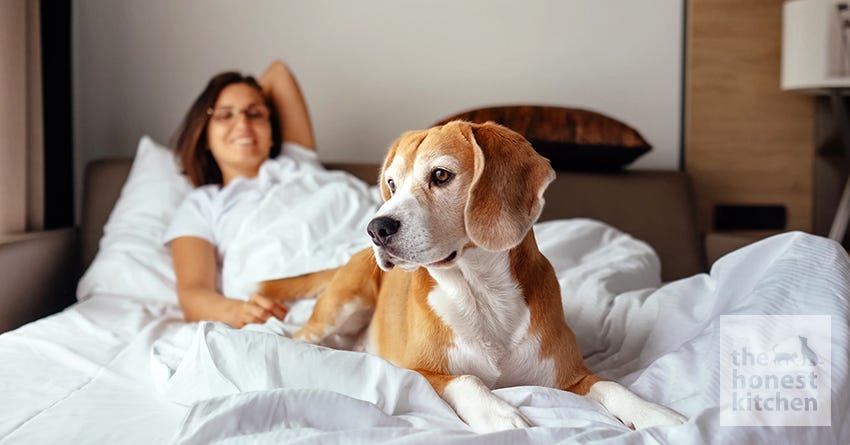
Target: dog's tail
<point>297,288</point>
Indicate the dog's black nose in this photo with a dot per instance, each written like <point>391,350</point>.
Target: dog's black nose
<point>382,229</point>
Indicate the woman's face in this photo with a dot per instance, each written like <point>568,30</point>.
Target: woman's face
<point>239,133</point>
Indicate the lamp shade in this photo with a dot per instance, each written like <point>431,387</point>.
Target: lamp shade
<point>815,44</point>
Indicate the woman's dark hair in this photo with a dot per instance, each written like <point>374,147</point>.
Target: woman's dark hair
<point>191,144</point>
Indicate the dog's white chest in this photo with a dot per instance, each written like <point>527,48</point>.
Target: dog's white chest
<point>513,363</point>
<point>485,309</point>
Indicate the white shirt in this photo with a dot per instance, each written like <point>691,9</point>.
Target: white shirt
<point>294,217</point>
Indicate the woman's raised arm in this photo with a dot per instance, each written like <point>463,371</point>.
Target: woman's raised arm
<point>280,84</point>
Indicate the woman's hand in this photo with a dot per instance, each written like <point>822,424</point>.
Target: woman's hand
<point>257,309</point>
<point>195,270</point>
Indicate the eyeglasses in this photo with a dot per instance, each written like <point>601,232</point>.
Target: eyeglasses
<point>229,115</point>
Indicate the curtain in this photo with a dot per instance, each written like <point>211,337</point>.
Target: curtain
<point>21,136</point>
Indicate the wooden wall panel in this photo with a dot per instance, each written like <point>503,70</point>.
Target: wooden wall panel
<point>746,140</point>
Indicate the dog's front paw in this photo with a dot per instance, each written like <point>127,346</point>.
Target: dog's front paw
<point>309,335</point>
<point>483,411</point>
<point>495,417</point>
<point>632,410</point>
<point>652,414</point>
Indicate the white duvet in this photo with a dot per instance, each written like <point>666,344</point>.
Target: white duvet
<point>661,341</point>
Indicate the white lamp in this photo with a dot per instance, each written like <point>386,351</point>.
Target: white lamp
<point>816,60</point>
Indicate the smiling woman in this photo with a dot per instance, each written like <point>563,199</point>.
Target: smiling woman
<point>231,130</point>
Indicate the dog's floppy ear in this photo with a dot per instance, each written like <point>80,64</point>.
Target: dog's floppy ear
<point>506,195</point>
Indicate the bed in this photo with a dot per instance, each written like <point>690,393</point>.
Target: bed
<point>120,365</point>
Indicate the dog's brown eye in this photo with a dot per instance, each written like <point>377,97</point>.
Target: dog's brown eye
<point>391,185</point>
<point>440,176</point>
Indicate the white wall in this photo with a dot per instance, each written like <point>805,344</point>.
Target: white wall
<point>371,69</point>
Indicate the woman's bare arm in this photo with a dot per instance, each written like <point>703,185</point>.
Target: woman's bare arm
<point>280,84</point>
<point>195,270</point>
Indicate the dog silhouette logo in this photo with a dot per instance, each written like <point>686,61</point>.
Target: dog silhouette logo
<point>794,351</point>
<point>807,352</point>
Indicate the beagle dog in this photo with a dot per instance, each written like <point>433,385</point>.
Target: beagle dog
<point>455,287</point>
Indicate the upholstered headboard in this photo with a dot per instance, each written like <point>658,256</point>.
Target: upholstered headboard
<point>654,206</point>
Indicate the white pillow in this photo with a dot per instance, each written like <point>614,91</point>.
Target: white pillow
<point>131,260</point>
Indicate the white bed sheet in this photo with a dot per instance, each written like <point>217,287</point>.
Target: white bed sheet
<point>83,375</point>
<point>114,369</point>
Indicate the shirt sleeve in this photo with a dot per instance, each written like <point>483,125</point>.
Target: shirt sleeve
<point>193,218</point>
<point>299,153</point>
